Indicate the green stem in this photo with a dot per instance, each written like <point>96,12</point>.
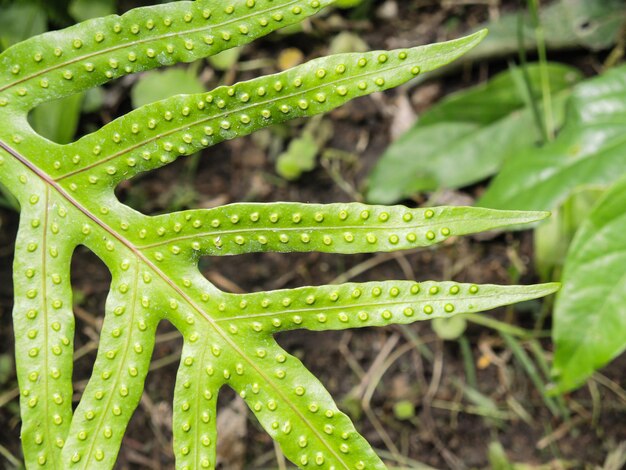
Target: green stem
<point>417,342</point>
<point>548,111</point>
<point>531,371</point>
<point>532,102</point>
<point>539,354</point>
<point>468,362</point>
<point>500,326</point>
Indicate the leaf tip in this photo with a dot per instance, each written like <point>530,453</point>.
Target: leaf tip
<point>476,38</point>
<point>532,217</point>
<point>537,291</point>
<point>482,34</point>
<point>552,287</point>
<point>563,383</point>
<point>543,215</point>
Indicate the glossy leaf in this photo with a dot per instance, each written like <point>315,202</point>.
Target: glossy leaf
<point>66,194</point>
<point>502,95</point>
<point>467,137</point>
<point>588,151</point>
<point>590,313</point>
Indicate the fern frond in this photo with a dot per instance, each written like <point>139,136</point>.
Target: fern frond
<point>66,194</point>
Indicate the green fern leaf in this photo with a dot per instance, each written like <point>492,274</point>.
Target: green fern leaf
<point>58,64</point>
<point>66,195</point>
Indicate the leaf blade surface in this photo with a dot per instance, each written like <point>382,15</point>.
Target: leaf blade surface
<point>588,151</point>
<point>590,317</point>
<point>468,136</point>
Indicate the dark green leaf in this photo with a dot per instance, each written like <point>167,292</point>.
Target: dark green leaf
<point>590,314</point>
<point>465,138</point>
<point>499,97</point>
<point>589,151</point>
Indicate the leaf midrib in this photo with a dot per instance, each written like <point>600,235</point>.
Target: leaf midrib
<point>252,316</point>
<point>309,228</point>
<point>196,427</point>
<point>44,289</point>
<point>136,43</point>
<point>140,256</point>
<point>123,360</point>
